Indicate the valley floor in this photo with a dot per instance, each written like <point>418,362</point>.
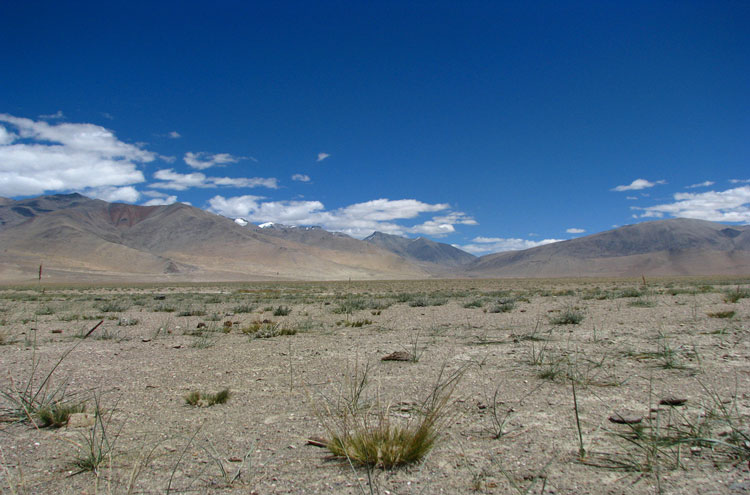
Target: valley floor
<point>543,367</point>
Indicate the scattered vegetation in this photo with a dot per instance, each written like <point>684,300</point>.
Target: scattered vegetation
<point>205,399</point>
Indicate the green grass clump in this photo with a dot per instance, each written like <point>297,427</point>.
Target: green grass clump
<point>204,399</point>
<point>473,304</point>
<point>56,415</point>
<point>371,436</point>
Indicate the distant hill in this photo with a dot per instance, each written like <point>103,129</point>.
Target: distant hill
<point>83,239</point>
<point>80,238</point>
<point>659,248</point>
<point>421,250</point>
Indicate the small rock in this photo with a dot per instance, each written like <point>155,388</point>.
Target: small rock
<point>672,401</point>
<point>145,340</point>
<point>159,298</point>
<point>397,356</point>
<point>623,418</point>
<point>57,330</point>
<point>228,324</point>
<point>201,325</point>
<point>235,459</point>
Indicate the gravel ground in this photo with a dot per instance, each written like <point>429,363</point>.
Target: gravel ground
<point>510,426</point>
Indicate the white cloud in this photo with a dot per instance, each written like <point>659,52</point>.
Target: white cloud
<point>174,135</point>
<point>358,220</point>
<point>181,182</point>
<point>127,194</point>
<point>702,184</point>
<point>57,115</point>
<point>638,184</point>
<point>739,181</point>
<point>6,137</point>
<point>162,200</point>
<point>574,230</point>
<point>486,245</point>
<point>631,198</point>
<point>322,156</point>
<point>301,178</point>
<point>65,157</point>
<point>203,160</point>
<point>732,205</point>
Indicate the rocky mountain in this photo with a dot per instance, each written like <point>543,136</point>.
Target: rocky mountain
<point>421,250</point>
<point>80,238</point>
<point>659,248</point>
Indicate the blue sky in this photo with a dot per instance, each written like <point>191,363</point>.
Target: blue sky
<point>488,125</point>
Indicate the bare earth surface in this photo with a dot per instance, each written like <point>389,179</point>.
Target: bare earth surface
<point>510,427</point>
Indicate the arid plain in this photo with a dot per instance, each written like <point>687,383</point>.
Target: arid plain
<point>560,386</point>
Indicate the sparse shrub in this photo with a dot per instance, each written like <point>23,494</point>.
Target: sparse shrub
<point>722,314</point>
<point>113,306</point>
<point>56,415</point>
<point>476,303</point>
<point>205,399</point>
<point>371,436</point>
<point>504,306</point>
<point>282,311</point>
<point>733,296</point>
<point>568,317</point>
<point>642,303</point>
<point>629,292</point>
<point>192,312</point>
<point>243,308</point>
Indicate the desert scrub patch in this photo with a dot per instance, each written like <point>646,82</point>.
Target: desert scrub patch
<point>192,312</point>
<point>112,306</point>
<point>722,314</point>
<point>732,296</point>
<point>503,306</point>
<point>57,414</point>
<point>164,308</point>
<point>243,308</point>
<point>355,324</point>
<point>372,435</point>
<point>476,303</point>
<point>282,311</point>
<point>628,292</point>
<point>207,399</point>
<point>425,301</point>
<point>642,302</point>
<point>569,316</point>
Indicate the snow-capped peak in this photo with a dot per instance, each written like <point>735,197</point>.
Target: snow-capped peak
<point>241,222</point>
<point>266,225</point>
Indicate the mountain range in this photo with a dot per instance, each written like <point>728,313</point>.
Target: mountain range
<point>81,239</point>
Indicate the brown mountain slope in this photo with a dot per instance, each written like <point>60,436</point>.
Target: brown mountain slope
<point>659,248</point>
<point>78,237</point>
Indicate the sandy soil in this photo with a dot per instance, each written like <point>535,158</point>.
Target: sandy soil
<point>512,423</point>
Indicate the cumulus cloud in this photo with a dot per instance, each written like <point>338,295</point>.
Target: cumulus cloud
<point>202,160</point>
<point>301,178</point>
<point>159,198</point>
<point>702,184</point>
<point>181,182</point>
<point>638,184</point>
<point>732,205</point>
<point>358,220</point>
<point>574,230</point>
<point>322,156</point>
<point>40,157</point>
<point>127,194</point>
<point>53,116</point>
<point>486,245</point>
